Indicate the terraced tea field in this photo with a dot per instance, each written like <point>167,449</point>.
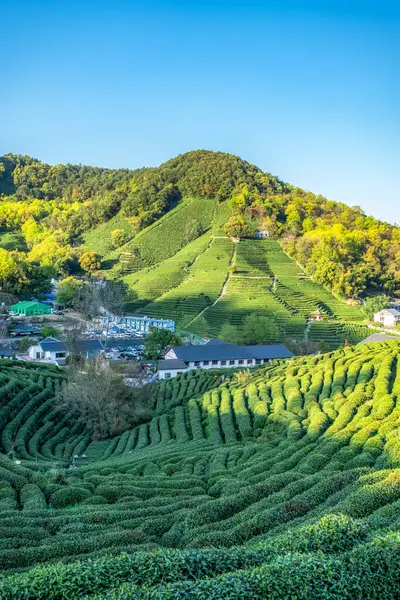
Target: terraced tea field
<point>190,280</point>
<point>283,485</point>
<point>268,283</point>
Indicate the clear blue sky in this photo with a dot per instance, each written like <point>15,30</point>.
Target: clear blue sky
<point>308,90</point>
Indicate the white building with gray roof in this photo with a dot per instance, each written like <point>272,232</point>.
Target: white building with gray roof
<point>218,355</point>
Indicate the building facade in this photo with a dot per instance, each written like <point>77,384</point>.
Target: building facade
<point>219,355</point>
<point>31,309</point>
<point>171,368</point>
<point>53,351</point>
<point>388,317</point>
<point>139,323</point>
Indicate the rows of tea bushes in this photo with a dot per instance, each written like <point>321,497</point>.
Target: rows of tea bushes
<point>200,290</point>
<point>169,234</point>
<point>152,282</point>
<point>238,485</point>
<point>267,282</point>
<point>295,282</point>
<point>335,333</point>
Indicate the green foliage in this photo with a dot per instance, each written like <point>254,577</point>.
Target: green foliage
<point>375,304</point>
<point>340,247</point>
<point>118,237</point>
<point>237,227</point>
<point>49,331</point>
<point>69,496</point>
<point>158,341</point>
<point>89,261</point>
<point>69,291</point>
<point>258,329</point>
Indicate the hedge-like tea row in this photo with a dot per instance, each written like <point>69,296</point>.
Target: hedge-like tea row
<point>289,476</point>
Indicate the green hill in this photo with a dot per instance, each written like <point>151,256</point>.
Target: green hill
<point>281,485</point>
<point>54,213</point>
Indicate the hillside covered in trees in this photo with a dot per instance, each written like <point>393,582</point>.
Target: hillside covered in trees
<point>48,213</point>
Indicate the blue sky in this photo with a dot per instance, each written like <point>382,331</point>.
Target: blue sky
<point>308,90</point>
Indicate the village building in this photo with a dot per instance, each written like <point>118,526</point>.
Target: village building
<point>262,234</point>
<point>171,368</point>
<point>139,323</point>
<point>6,353</point>
<point>388,317</point>
<point>25,330</point>
<point>31,308</point>
<point>53,351</point>
<point>218,355</point>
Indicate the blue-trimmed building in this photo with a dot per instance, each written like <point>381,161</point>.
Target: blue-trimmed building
<point>140,323</point>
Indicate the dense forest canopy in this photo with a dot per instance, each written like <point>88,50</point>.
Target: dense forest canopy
<point>50,207</point>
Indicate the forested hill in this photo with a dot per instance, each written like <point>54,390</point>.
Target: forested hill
<point>50,209</point>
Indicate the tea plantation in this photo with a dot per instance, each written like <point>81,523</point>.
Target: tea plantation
<point>281,484</point>
<point>214,280</point>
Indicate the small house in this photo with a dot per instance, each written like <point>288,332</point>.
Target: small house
<point>53,351</point>
<point>23,330</point>
<point>317,315</point>
<point>6,353</point>
<point>388,317</point>
<point>262,234</point>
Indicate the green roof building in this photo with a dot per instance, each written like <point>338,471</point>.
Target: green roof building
<point>31,309</point>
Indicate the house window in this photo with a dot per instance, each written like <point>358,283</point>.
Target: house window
<point>223,362</point>
<point>258,361</point>
<point>167,375</point>
<point>206,362</point>
<point>37,354</point>
<point>250,361</point>
<point>179,372</point>
<point>241,362</point>
<point>60,354</point>
<point>197,363</point>
<point>214,362</point>
<point>231,362</point>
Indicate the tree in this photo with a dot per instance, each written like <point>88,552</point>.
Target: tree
<point>118,238</point>
<point>69,290</point>
<point>23,344</point>
<point>100,294</point>
<point>90,261</point>
<point>229,333</point>
<point>49,331</point>
<point>375,304</point>
<point>11,274</point>
<point>157,342</point>
<point>258,329</point>
<point>236,226</point>
<point>99,394</point>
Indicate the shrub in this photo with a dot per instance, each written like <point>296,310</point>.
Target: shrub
<point>69,496</point>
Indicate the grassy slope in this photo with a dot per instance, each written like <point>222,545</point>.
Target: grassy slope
<point>167,236</point>
<point>99,239</point>
<point>12,240</point>
<point>304,458</point>
<point>178,290</point>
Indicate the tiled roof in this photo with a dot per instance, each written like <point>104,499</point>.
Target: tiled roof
<point>165,365</point>
<point>389,311</point>
<point>226,351</point>
<point>53,345</point>
<point>378,337</point>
